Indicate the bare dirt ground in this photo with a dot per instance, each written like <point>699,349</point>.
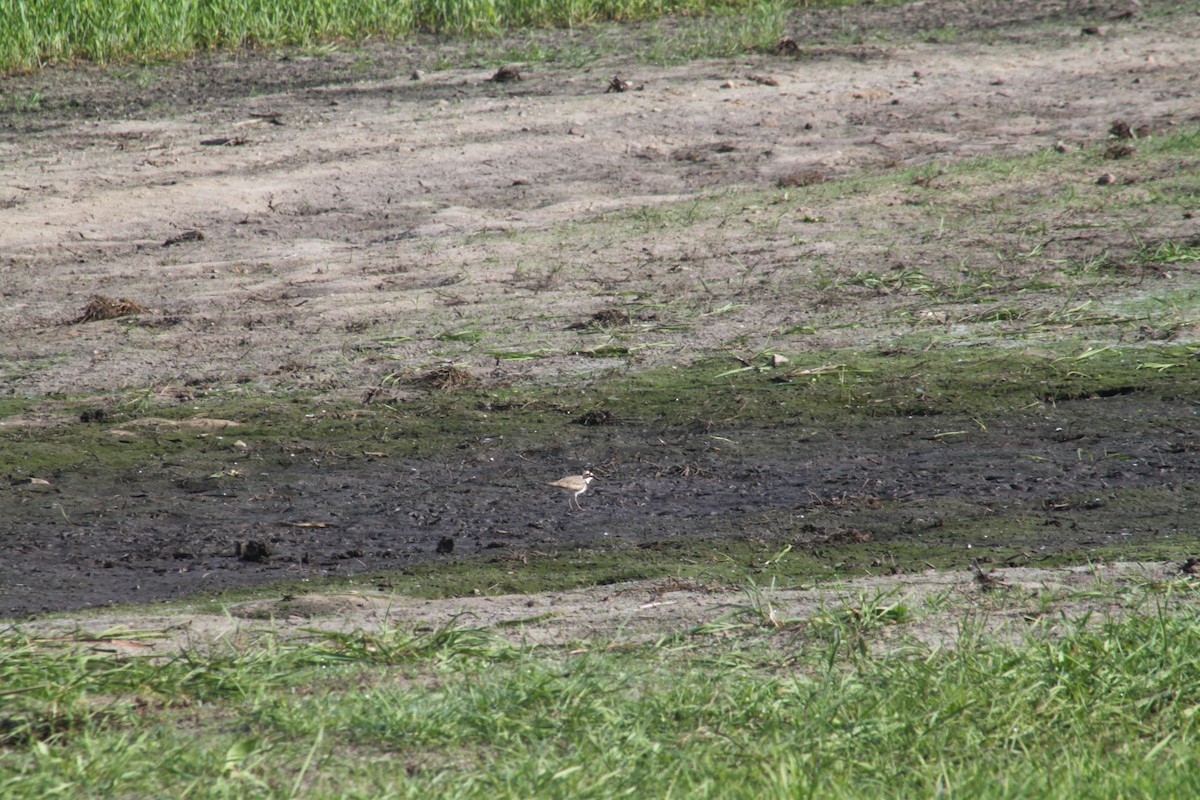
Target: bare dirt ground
<point>322,221</point>
<point>931,609</point>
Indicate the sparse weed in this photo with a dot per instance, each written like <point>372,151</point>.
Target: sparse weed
<point>20,103</point>
<point>1171,252</point>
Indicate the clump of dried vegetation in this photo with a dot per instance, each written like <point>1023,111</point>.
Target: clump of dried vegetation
<point>100,307</point>
<point>446,376</point>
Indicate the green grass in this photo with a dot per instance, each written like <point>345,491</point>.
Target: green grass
<point>33,34</point>
<point>828,389</point>
<point>843,702</point>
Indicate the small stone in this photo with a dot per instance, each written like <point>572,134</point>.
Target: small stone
<point>1106,179</point>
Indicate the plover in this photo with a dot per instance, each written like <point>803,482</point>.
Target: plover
<point>576,485</point>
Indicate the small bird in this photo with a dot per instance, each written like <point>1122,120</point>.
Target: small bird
<point>576,485</point>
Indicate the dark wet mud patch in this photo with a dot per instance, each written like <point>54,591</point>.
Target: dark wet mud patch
<point>167,509</point>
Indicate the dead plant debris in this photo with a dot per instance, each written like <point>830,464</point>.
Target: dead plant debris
<point>702,152</point>
<point>1124,130</point>
<point>689,470</point>
<point>597,416</point>
<point>507,74</point>
<point>786,46</point>
<point>604,318</point>
<point>100,307</point>
<point>611,316</point>
<point>186,236</point>
<point>447,376</point>
<point>803,177</point>
<point>987,580</point>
